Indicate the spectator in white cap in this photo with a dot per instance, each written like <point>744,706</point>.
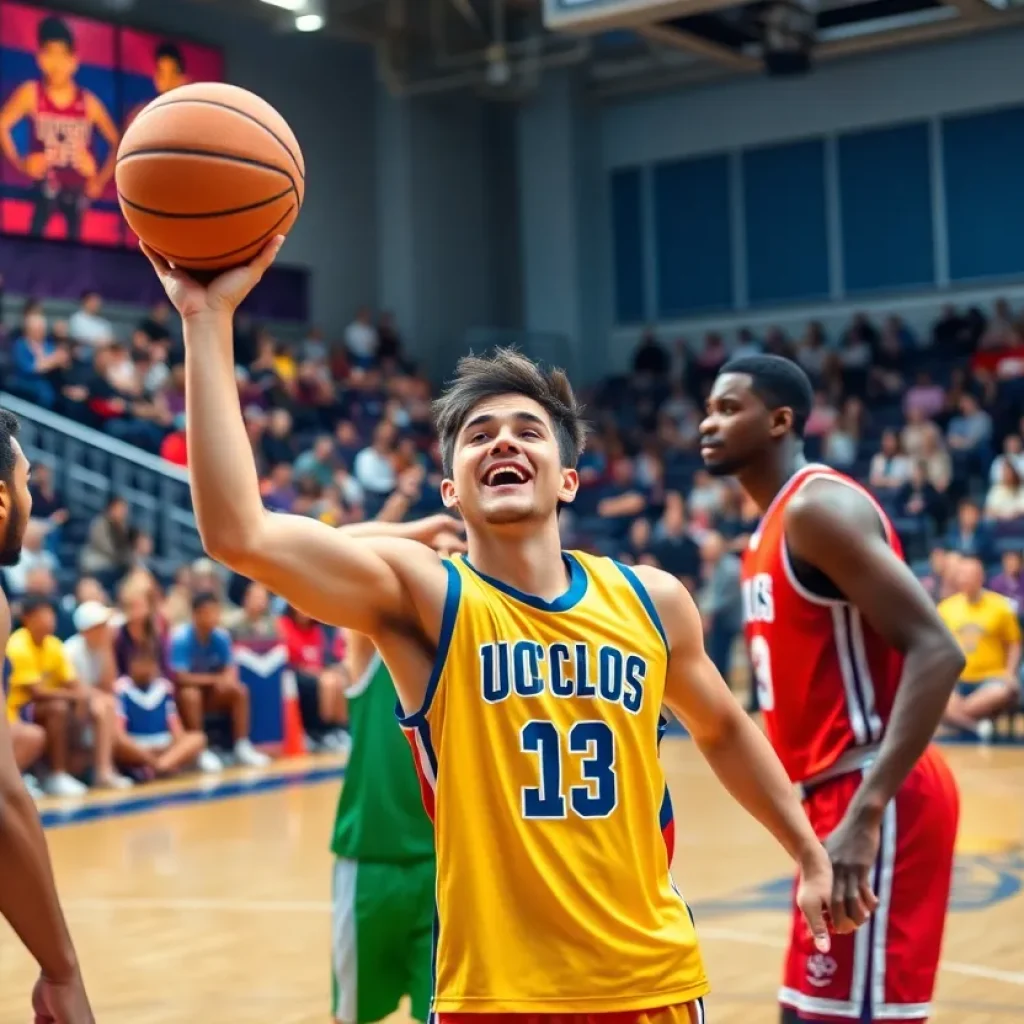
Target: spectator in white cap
<point>91,649</point>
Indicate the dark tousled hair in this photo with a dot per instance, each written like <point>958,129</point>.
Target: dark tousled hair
<point>53,29</point>
<point>172,52</point>
<point>779,383</point>
<point>508,372</point>
<point>9,427</point>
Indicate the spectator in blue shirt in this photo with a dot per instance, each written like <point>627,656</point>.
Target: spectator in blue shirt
<point>203,668</point>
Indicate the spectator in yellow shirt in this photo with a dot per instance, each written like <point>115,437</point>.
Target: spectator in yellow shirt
<point>43,689</point>
<point>988,631</point>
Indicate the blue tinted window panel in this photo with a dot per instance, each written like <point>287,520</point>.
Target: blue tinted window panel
<point>628,245</point>
<point>785,220</point>
<point>982,156</point>
<point>693,237</point>
<point>885,203</point>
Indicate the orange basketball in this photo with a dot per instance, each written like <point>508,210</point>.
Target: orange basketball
<point>208,173</point>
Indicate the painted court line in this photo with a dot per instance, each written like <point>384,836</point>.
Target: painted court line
<point>243,906</point>
<point>953,967</point>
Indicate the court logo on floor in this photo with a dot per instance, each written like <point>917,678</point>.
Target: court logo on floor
<point>979,882</point>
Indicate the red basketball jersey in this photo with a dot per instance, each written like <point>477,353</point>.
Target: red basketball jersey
<point>825,679</point>
<point>61,133</point>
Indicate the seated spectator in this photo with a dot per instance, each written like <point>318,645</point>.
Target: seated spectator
<point>38,364</point>
<point>924,397</point>
<point>719,600</point>
<point>318,463</point>
<point>915,433</point>
<point>822,418</point>
<point>934,581</point>
<point>108,551</point>
<point>886,374</point>
<point>43,688</point>
<point>650,360</point>
<point>706,498</point>
<point>672,545</point>
<point>985,624</point>
<point>970,432</point>
<point>47,504</point>
<point>253,621</point>
<point>839,447</point>
<point>890,468</point>
<point>361,339</point>
<point>373,467</point>
<point>141,622</point>
<point>1010,581</point>
<point>279,493</point>
<point>28,740</point>
<point>320,676</point>
<point>621,500</point>
<point>1013,453</point>
<point>939,465</point>
<point>87,327</point>
<point>812,352</point>
<point>91,649</point>
<point>34,555</point>
<point>151,736</point>
<point>1005,500</point>
<point>917,498</point>
<point>206,680</point>
<point>969,535</point>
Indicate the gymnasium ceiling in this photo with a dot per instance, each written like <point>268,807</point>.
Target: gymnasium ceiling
<point>500,47</point>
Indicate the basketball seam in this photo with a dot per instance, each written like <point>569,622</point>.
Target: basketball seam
<point>213,155</point>
<point>234,252</point>
<point>227,106</point>
<point>211,213</point>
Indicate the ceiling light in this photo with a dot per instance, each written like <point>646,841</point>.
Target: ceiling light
<point>288,5</point>
<point>309,22</point>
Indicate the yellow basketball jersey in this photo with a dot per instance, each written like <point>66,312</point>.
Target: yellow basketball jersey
<point>538,750</point>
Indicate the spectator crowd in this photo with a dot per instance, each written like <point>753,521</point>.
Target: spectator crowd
<point>115,672</point>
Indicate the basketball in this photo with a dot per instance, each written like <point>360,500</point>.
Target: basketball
<point>207,174</point>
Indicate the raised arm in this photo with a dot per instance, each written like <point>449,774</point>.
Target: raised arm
<point>836,531</point>
<point>734,747</point>
<point>363,584</point>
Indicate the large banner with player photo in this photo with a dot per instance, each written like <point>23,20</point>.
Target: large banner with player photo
<point>68,88</point>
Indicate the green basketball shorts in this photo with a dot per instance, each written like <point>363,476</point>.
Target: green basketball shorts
<point>381,938</point>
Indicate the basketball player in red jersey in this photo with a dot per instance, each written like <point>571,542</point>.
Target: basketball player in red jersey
<point>168,74</point>
<point>28,896</point>
<point>63,116</point>
<point>853,669</point>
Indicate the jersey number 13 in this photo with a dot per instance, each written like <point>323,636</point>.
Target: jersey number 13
<point>594,744</point>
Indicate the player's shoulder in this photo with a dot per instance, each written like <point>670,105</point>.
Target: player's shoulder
<point>831,508</point>
<point>667,601</point>
<point>18,642</point>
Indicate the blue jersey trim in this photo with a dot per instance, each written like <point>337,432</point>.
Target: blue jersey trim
<point>645,599</point>
<point>577,587</point>
<point>453,596</point>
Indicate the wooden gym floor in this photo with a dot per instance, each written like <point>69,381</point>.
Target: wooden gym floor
<point>209,902</point>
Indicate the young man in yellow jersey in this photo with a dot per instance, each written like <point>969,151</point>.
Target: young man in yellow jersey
<point>986,626</point>
<point>530,683</point>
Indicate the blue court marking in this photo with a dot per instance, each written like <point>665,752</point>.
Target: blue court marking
<point>58,817</point>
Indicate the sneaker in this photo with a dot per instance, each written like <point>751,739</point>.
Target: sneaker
<point>62,784</point>
<point>209,763</point>
<point>32,785</point>
<point>337,742</point>
<point>248,756</point>
<point>986,730</point>
<point>114,781</point>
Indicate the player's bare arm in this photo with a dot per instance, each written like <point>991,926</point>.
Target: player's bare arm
<point>835,531</point>
<point>104,124</point>
<point>734,747</point>
<point>390,588</point>
<point>31,906</point>
<point>20,104</point>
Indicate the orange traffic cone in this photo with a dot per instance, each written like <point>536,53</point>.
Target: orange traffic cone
<point>294,744</point>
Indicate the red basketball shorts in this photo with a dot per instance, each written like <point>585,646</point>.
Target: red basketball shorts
<point>885,971</point>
